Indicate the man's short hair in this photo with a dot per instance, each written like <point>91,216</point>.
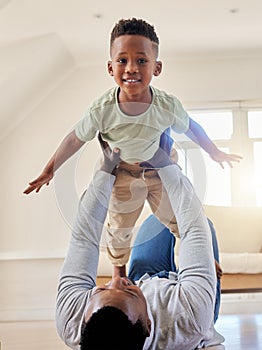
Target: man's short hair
<point>110,328</point>
<point>134,26</point>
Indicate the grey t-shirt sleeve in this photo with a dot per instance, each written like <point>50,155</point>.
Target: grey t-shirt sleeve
<point>78,275</point>
<point>183,305</point>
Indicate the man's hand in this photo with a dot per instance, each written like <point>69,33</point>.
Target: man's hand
<point>222,157</point>
<point>219,271</point>
<point>42,180</point>
<point>111,158</point>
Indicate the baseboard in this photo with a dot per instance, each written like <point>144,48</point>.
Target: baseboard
<point>241,303</point>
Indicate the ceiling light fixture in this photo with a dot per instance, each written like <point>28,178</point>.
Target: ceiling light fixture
<point>234,10</point>
<point>98,15</point>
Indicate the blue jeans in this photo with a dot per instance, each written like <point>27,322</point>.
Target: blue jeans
<point>153,253</point>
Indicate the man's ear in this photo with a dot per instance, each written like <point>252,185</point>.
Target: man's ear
<point>110,68</point>
<point>158,68</point>
<point>148,323</point>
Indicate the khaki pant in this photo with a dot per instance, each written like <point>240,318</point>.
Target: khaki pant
<point>132,187</point>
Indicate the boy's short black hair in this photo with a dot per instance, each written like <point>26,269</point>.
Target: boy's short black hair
<point>110,328</point>
<point>134,26</point>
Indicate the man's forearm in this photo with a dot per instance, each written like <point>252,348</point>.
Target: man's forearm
<point>93,207</point>
<point>185,203</point>
<point>81,262</point>
<point>196,273</point>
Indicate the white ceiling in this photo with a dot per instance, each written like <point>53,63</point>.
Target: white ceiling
<point>184,26</point>
<point>41,40</point>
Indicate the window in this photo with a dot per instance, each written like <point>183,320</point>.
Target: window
<point>237,131</point>
<point>255,135</point>
<point>255,124</point>
<point>258,172</point>
<point>218,125</point>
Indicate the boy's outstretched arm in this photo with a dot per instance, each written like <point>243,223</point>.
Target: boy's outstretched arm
<point>69,146</point>
<point>197,134</point>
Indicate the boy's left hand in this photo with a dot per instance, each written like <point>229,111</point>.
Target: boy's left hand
<point>221,157</point>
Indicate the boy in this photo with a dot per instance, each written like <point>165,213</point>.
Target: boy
<point>132,116</point>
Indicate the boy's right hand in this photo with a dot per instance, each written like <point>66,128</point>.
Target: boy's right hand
<point>42,180</point>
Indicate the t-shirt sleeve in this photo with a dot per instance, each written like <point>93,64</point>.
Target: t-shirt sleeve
<point>86,128</point>
<point>79,271</point>
<point>181,123</point>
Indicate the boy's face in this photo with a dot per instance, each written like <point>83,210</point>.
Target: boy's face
<point>133,65</point>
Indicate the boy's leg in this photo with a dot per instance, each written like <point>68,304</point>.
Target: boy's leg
<point>126,203</point>
<point>160,204</point>
<point>153,250</point>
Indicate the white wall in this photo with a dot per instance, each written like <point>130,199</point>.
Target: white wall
<point>35,230</point>
<point>227,77</point>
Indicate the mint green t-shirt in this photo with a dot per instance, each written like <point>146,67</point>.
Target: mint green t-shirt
<point>136,136</point>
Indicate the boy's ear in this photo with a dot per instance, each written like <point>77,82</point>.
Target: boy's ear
<point>158,68</point>
<point>110,68</point>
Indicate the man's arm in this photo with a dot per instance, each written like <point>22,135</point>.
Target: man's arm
<point>78,275</point>
<point>198,135</point>
<point>82,257</point>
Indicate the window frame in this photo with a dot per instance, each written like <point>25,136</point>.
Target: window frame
<point>243,192</point>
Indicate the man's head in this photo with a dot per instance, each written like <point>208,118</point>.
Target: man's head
<point>110,328</point>
<point>116,316</point>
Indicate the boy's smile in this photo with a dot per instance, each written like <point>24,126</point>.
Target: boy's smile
<point>133,65</point>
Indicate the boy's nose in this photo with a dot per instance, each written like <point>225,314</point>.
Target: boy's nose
<point>131,67</point>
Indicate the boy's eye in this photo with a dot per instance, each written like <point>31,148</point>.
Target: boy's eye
<point>122,60</point>
<point>142,60</point>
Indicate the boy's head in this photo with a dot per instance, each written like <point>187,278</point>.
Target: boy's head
<point>134,52</point>
<point>135,26</point>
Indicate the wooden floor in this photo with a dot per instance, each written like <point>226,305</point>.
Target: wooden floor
<point>242,332</point>
<point>241,283</point>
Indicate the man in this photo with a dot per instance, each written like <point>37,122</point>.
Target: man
<point>157,313</point>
